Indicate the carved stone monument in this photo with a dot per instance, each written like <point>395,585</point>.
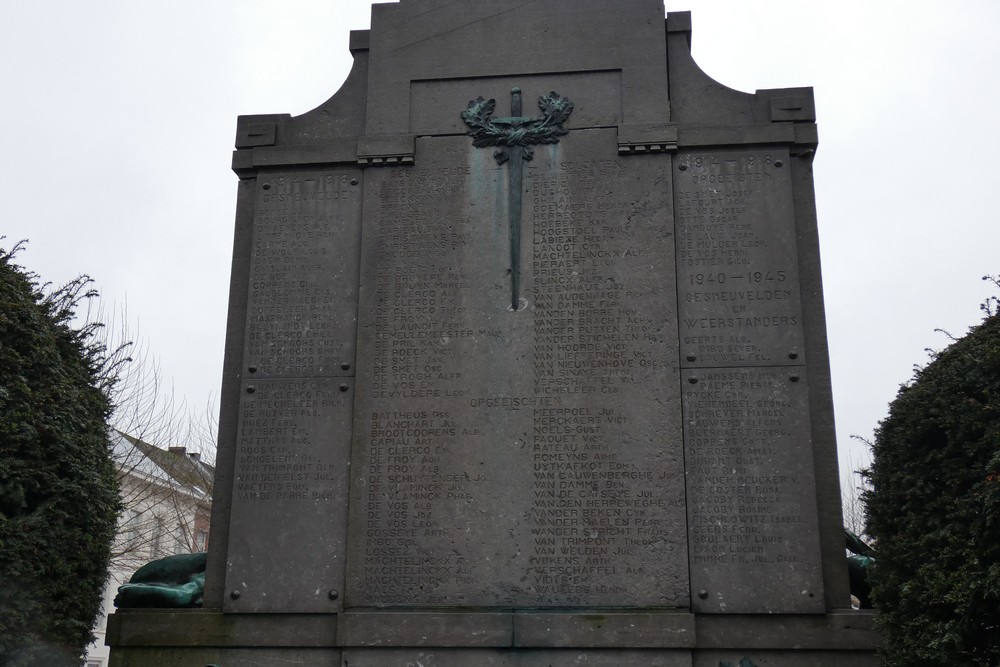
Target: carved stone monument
<point>526,363</point>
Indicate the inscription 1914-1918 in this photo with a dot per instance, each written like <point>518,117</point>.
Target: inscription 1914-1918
<point>300,283</point>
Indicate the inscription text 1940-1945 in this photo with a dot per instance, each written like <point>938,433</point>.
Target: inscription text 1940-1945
<point>737,271</point>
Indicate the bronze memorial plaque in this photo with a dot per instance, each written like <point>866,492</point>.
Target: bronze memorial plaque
<point>303,274</point>
<point>290,488</point>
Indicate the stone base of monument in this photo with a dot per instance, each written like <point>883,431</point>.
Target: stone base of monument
<point>522,639</point>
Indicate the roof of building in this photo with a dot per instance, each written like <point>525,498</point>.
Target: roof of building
<point>174,467</point>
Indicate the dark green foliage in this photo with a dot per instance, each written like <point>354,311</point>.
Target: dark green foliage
<point>934,509</point>
<point>58,492</point>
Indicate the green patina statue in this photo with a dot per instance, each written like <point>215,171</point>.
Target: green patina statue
<point>173,582</point>
<point>858,567</point>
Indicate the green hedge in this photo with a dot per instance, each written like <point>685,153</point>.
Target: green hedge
<point>58,492</point>
<point>934,509</point>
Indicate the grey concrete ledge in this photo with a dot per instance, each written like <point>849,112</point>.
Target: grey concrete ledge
<point>405,628</point>
<point>209,627</point>
<point>605,630</point>
<point>837,630</point>
<point>846,629</point>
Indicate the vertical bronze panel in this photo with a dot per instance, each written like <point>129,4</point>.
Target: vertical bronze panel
<point>751,488</point>
<point>288,527</point>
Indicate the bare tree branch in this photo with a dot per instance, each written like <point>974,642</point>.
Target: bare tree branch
<point>852,490</point>
<point>163,450</point>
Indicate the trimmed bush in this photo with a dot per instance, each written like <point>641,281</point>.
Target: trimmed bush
<point>934,508</point>
<point>58,492</point>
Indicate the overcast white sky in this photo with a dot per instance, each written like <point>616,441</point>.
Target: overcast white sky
<point>119,118</point>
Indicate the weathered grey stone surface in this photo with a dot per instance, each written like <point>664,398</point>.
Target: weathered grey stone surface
<point>296,402</point>
<point>738,272</point>
<point>242,657</point>
<point>732,658</point>
<point>529,458</point>
<point>606,440</point>
<point>146,636</point>
<point>750,491</point>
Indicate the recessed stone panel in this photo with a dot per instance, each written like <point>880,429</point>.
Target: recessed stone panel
<point>751,491</point>
<point>510,458</point>
<point>302,297</point>
<point>737,264</point>
<point>596,96</point>
<point>289,510</point>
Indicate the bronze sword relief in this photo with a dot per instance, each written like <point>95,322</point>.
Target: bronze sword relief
<point>515,136</point>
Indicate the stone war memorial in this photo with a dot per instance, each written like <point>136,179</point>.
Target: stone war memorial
<point>526,364</point>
